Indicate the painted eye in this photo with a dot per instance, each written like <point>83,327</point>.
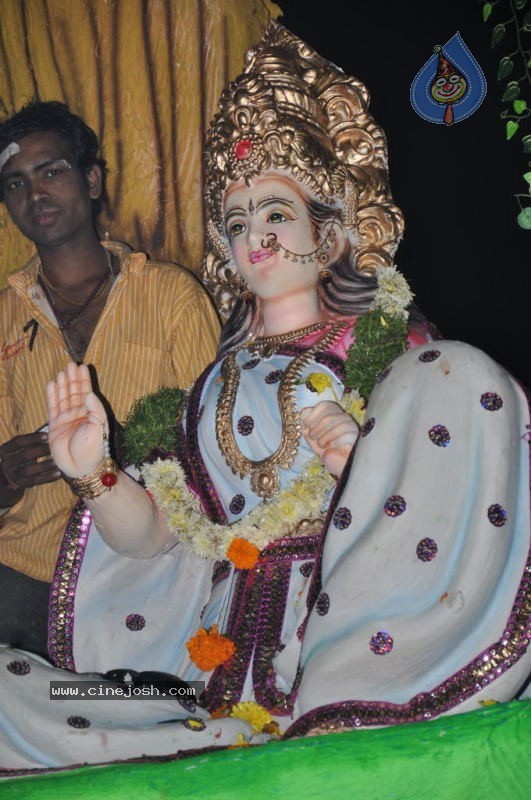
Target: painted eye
<point>440,81</point>
<point>235,229</point>
<point>277,216</point>
<point>454,78</point>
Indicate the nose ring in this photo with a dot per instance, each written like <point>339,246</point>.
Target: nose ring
<point>270,241</point>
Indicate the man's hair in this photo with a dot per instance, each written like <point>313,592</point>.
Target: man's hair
<point>40,117</point>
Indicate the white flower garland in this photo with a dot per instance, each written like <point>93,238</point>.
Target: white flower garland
<point>303,498</point>
<point>393,294</point>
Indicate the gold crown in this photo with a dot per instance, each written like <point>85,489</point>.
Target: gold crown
<point>292,110</point>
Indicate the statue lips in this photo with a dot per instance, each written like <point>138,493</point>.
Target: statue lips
<point>257,256</point>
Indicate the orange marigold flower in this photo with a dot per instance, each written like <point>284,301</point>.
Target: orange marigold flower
<point>242,553</point>
<point>209,649</point>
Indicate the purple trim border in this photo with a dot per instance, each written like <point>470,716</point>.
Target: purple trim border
<point>63,588</point>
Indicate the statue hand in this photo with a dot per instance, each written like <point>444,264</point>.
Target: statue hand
<point>331,433</point>
<point>76,422</point>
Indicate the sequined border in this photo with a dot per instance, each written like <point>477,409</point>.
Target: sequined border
<point>255,626</point>
<point>63,590</point>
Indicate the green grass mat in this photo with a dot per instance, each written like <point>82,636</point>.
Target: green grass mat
<point>483,755</point>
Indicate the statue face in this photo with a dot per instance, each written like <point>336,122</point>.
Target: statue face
<point>448,89</point>
<point>271,204</point>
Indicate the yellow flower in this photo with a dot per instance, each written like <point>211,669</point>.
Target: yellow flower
<point>253,713</point>
<point>354,405</point>
<point>318,382</point>
<point>240,741</point>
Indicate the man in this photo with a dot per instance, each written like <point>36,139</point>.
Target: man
<point>141,325</point>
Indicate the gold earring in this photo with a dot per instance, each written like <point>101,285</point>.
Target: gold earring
<point>244,293</point>
<point>325,275</point>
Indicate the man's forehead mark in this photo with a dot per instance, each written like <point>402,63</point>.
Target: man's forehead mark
<point>11,150</point>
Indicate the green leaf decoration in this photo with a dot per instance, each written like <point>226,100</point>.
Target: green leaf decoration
<point>505,68</point>
<point>527,21</point>
<point>497,34</point>
<point>527,177</point>
<point>512,90</point>
<point>511,128</point>
<point>151,424</point>
<point>380,338</point>
<point>524,218</point>
<point>487,11</point>
<point>519,106</point>
<point>526,143</point>
<point>520,4</point>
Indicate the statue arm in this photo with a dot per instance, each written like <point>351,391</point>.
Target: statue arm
<point>126,517</point>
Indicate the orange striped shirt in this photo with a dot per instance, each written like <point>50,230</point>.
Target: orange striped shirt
<point>158,328</point>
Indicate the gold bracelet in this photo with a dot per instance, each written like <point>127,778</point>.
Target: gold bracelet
<point>101,480</point>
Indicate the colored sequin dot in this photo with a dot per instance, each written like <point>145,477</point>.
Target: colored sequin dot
<point>274,376</point>
<point>18,667</point>
<point>427,549</point>
<point>322,604</point>
<point>245,425</point>
<point>429,355</point>
<point>439,435</point>
<point>78,722</point>
<point>135,622</point>
<point>342,518</point>
<point>194,724</point>
<point>306,569</point>
<point>381,643</point>
<point>395,505</point>
<point>251,364</point>
<point>367,427</point>
<point>237,504</point>
<point>383,374</point>
<point>491,401</point>
<point>497,515</point>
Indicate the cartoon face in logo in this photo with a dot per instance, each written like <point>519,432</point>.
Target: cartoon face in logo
<point>448,88</point>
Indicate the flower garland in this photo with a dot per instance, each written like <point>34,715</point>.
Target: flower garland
<point>303,498</point>
<point>306,495</point>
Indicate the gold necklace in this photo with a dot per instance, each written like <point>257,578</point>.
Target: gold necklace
<point>92,296</point>
<point>264,475</point>
<point>265,346</point>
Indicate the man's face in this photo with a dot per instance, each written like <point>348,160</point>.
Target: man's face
<point>46,195</point>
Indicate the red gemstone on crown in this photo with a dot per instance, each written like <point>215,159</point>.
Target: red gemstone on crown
<point>109,479</point>
<point>242,149</point>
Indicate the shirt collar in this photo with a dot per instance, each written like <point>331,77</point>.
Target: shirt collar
<point>23,279</point>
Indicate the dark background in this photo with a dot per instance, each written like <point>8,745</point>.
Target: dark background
<point>465,256</point>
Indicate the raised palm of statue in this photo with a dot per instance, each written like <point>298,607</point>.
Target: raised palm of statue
<point>77,422</point>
